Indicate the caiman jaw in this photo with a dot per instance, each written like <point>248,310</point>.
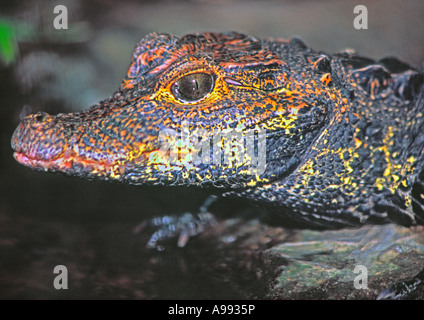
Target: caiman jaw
<point>51,143</point>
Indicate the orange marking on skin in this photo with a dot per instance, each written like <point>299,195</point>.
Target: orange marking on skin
<point>326,78</point>
<point>294,109</point>
<point>253,61</point>
<point>128,84</point>
<point>358,142</point>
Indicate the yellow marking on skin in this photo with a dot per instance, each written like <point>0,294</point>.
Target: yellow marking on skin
<point>358,143</point>
<point>379,183</point>
<point>347,180</point>
<point>251,183</point>
<point>408,201</point>
<point>307,171</point>
<point>393,171</point>
<point>411,159</point>
<point>283,122</point>
<point>115,172</point>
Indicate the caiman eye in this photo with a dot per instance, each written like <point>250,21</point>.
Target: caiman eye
<point>193,87</point>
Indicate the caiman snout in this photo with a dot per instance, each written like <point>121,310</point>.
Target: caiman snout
<point>79,144</point>
<point>40,137</point>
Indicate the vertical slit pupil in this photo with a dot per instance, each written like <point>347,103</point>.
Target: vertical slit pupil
<point>193,87</point>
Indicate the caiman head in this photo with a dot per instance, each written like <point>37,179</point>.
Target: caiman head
<point>221,109</point>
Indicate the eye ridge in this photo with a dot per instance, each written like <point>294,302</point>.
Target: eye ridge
<point>193,87</point>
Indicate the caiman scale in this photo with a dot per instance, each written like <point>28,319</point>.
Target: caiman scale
<point>342,135</point>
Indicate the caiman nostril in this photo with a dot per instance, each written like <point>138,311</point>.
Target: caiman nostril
<point>40,116</point>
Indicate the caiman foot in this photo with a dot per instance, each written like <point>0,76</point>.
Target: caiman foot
<point>406,290</point>
<point>182,226</point>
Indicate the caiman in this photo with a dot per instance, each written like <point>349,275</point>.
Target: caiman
<point>329,141</point>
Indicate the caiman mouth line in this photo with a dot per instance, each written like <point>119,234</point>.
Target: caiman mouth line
<point>71,163</point>
<point>64,163</point>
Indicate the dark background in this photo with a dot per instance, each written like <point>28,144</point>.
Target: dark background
<point>47,220</point>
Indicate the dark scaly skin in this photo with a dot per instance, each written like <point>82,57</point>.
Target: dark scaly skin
<point>344,134</point>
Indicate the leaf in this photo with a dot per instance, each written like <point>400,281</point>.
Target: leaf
<point>8,43</point>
